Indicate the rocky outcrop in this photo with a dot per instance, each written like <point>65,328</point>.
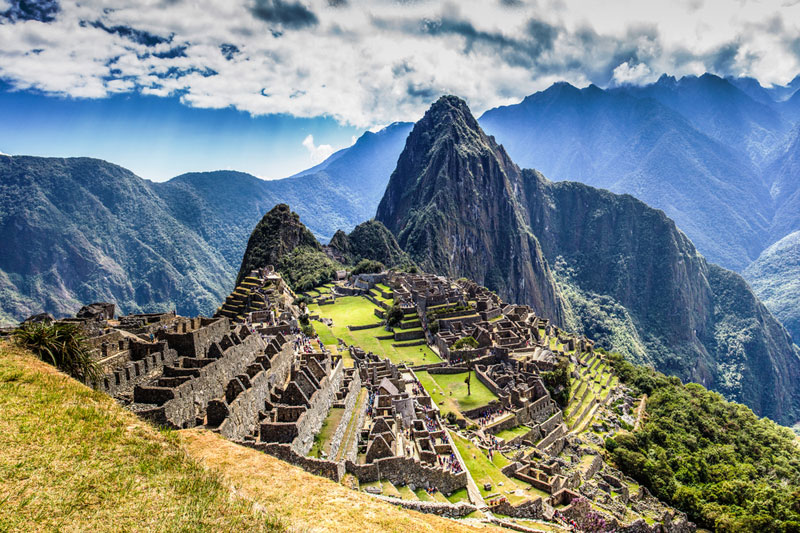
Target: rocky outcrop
<point>369,240</point>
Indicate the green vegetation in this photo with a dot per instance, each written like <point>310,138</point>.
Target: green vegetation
<point>368,266</point>
<point>558,382</point>
<point>324,333</point>
<point>62,345</point>
<point>72,459</point>
<point>305,268</point>
<point>512,433</point>
<point>485,471</point>
<point>322,440</point>
<point>394,316</point>
<point>357,311</point>
<point>450,392</point>
<point>370,240</point>
<point>713,459</point>
<point>465,342</point>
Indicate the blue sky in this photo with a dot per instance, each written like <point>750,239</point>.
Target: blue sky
<point>159,138</point>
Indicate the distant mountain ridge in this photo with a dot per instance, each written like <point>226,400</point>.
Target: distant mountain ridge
<point>719,156</point>
<point>77,230</point>
<point>605,265</point>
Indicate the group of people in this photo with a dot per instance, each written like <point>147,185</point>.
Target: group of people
<point>489,415</point>
<point>430,424</point>
<point>450,463</point>
<point>302,343</point>
<point>370,402</point>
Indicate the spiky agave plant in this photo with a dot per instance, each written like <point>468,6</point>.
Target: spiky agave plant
<point>62,345</point>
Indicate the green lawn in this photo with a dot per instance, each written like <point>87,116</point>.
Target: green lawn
<point>508,434</point>
<point>324,333</point>
<point>452,391</point>
<point>485,471</point>
<point>457,496</point>
<point>357,311</point>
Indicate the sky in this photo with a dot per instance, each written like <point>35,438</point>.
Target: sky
<point>271,87</point>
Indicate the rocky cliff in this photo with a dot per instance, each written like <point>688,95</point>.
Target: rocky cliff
<point>454,201</point>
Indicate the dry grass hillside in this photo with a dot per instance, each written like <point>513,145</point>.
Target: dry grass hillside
<point>72,459</point>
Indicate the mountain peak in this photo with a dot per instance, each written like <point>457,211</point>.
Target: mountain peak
<point>446,112</point>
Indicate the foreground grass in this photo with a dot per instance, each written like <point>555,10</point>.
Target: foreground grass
<point>71,459</point>
<point>308,502</point>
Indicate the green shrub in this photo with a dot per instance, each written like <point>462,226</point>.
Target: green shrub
<point>394,315</point>
<point>465,342</point>
<point>368,266</point>
<point>715,460</point>
<point>62,345</point>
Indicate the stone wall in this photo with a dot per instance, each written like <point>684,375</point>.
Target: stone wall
<point>529,509</point>
<point>284,452</point>
<point>551,437</point>
<point>475,413</point>
<point>597,464</point>
<point>408,335</point>
<point>195,343</point>
<point>447,369</point>
<point>365,326</point>
<point>551,423</point>
<point>450,510</point>
<point>508,423</point>
<point>181,406</point>
<point>243,411</point>
<point>122,380</point>
<point>405,471</point>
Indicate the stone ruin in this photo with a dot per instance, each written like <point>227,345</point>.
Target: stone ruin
<point>249,375</point>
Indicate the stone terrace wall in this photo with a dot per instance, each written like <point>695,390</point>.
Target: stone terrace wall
<point>450,510</point>
<point>243,410</point>
<point>551,437</point>
<point>349,404</point>
<point>446,369</point>
<point>529,509</point>
<point>188,401</point>
<point>309,422</point>
<point>405,471</point>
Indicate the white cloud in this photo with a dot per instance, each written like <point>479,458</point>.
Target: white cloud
<point>625,73</point>
<point>375,62</point>
<point>319,153</point>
